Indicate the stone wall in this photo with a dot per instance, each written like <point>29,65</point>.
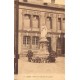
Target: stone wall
<point>42,13</point>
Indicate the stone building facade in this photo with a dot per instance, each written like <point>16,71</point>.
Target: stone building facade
<point>34,14</point>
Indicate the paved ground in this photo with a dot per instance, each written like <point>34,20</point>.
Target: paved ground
<point>41,71</point>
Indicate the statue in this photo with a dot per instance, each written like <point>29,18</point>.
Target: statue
<point>43,31</point>
<point>43,51</point>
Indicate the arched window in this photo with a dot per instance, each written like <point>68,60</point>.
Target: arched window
<point>49,23</point>
<point>63,24</point>
<point>59,23</point>
<point>26,21</point>
<point>35,21</point>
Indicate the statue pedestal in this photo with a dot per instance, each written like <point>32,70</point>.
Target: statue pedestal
<point>43,51</point>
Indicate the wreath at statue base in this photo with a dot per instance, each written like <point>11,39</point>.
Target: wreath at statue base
<point>48,59</point>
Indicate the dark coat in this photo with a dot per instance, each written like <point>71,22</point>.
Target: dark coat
<point>30,53</point>
<point>51,57</point>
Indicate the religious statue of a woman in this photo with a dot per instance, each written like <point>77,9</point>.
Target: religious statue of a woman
<point>43,31</point>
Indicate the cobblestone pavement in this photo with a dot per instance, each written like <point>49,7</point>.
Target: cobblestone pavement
<point>41,71</point>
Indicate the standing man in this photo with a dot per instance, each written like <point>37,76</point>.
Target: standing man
<point>30,55</point>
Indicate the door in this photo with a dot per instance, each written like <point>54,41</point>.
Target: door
<point>49,44</point>
<point>61,46</point>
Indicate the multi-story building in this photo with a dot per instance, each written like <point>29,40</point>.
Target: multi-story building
<point>32,14</point>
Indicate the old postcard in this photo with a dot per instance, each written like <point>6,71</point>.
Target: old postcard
<point>39,40</point>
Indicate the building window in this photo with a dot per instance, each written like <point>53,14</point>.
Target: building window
<point>63,19</point>
<point>45,3</point>
<point>63,24</point>
<point>35,42</point>
<point>26,21</point>
<point>49,23</point>
<point>59,23</point>
<point>27,41</point>
<point>52,1</point>
<point>24,40</point>
<point>25,0</point>
<point>35,21</point>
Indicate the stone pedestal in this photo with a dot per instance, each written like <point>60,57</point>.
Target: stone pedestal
<point>43,51</point>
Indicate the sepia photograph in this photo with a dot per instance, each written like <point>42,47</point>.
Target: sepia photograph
<point>39,39</point>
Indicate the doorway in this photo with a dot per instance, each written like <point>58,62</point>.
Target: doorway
<point>49,44</point>
<point>61,46</point>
